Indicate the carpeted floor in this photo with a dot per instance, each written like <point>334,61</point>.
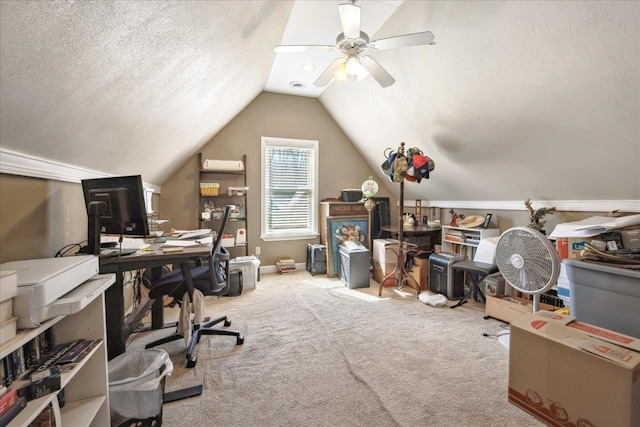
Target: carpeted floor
<point>319,354</point>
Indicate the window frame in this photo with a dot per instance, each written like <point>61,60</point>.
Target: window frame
<point>265,233</point>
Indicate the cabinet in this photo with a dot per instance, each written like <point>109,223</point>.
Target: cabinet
<point>347,213</point>
<point>231,190</point>
<point>328,209</point>
<point>86,386</point>
<point>465,241</point>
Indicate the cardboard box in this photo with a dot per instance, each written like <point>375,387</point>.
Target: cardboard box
<point>380,271</point>
<point>421,274</point>
<point>570,247</point>
<point>493,284</point>
<point>382,254</point>
<point>505,308</point>
<point>569,373</point>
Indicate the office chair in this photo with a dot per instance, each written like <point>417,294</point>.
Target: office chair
<point>210,279</point>
<point>483,264</point>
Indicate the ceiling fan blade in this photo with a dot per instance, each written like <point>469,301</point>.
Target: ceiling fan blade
<point>303,48</point>
<point>328,74</point>
<point>416,39</point>
<point>350,17</point>
<point>376,71</point>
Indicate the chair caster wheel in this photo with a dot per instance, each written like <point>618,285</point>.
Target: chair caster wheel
<point>191,361</point>
<point>227,322</point>
<point>240,340</point>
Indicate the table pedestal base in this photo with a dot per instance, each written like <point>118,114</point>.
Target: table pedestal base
<point>400,276</point>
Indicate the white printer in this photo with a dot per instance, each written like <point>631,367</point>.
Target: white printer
<point>41,282</point>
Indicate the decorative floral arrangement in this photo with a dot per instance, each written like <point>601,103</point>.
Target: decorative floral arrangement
<point>349,232</point>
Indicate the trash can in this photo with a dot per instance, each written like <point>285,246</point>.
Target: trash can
<point>136,385</point>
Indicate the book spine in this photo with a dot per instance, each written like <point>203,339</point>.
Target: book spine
<point>13,412</point>
<point>8,401</point>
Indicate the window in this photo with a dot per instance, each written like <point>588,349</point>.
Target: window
<point>289,189</point>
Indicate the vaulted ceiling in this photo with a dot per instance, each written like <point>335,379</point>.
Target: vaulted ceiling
<point>515,100</point>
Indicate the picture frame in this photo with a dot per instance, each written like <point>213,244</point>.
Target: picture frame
<point>487,220</point>
<point>340,229</point>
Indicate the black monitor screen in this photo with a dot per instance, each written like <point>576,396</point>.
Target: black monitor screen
<point>115,206</point>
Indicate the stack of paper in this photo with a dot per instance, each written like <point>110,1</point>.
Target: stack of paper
<point>593,226</point>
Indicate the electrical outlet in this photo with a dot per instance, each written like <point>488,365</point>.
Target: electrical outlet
<point>257,250</point>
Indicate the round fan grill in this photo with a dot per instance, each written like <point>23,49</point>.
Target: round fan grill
<point>528,261</point>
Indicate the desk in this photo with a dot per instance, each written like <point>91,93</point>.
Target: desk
<point>413,235</point>
<point>119,328</point>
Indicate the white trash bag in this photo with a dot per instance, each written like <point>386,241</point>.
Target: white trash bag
<point>135,384</point>
<point>435,300</point>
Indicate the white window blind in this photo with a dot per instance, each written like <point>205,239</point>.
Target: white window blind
<point>289,181</point>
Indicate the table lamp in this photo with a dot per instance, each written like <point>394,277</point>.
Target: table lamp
<point>369,189</point>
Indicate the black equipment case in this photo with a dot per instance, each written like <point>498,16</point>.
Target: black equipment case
<point>316,259</point>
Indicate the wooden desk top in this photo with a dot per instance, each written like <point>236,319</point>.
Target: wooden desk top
<point>152,258</point>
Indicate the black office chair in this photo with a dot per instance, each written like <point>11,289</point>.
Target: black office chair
<point>210,279</point>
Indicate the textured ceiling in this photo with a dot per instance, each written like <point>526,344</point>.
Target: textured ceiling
<point>142,83</point>
<point>516,99</point>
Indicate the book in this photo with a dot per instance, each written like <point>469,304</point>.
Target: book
<point>6,418</point>
<point>78,352</point>
<point>454,238</point>
<point>286,265</point>
<point>8,400</point>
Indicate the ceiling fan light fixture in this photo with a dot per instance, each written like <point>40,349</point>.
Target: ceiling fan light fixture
<point>341,74</point>
<point>353,66</point>
<point>353,43</point>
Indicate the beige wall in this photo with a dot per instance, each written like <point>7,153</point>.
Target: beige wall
<point>274,115</point>
<point>39,217</point>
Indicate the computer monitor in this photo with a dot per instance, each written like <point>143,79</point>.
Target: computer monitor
<point>114,205</point>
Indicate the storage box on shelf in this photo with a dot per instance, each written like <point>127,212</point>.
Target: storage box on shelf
<point>224,182</point>
<point>8,290</point>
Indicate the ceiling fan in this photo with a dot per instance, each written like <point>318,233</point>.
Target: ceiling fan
<point>353,43</point>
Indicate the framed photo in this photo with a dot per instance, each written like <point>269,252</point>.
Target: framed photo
<point>487,220</point>
<point>341,229</point>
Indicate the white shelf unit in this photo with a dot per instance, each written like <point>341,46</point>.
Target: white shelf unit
<point>86,387</point>
<point>465,241</point>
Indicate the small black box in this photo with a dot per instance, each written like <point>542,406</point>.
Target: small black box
<point>350,195</point>
<point>235,283</point>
